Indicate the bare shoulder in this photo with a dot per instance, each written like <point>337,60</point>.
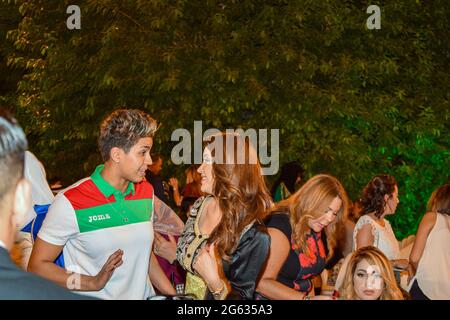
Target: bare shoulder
<point>211,204</point>
<point>428,220</point>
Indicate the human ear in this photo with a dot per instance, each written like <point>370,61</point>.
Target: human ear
<point>21,202</point>
<point>115,154</point>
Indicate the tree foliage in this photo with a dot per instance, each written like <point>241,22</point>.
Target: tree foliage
<point>348,101</point>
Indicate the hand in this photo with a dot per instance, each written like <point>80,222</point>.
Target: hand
<point>174,183</point>
<point>411,273</point>
<point>101,279</point>
<point>322,297</point>
<point>207,267</point>
<point>165,249</point>
<point>401,263</point>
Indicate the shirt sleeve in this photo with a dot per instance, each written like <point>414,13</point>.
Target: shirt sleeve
<point>246,265</point>
<point>280,221</point>
<point>60,223</point>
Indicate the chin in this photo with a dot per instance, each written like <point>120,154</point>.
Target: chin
<point>138,179</point>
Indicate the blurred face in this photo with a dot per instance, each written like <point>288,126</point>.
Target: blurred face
<point>206,172</point>
<point>367,281</point>
<point>156,166</point>
<point>317,225</point>
<point>134,163</point>
<point>392,202</point>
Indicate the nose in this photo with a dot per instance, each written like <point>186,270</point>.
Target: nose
<point>331,218</point>
<point>200,169</point>
<point>148,160</point>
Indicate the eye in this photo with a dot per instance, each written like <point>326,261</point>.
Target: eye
<point>329,210</point>
<point>360,274</point>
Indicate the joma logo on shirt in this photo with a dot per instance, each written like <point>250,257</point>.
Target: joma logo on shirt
<point>99,217</point>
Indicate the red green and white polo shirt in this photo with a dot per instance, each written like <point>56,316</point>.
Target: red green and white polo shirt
<point>92,220</point>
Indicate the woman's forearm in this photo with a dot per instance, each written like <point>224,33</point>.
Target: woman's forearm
<point>275,290</point>
<point>159,278</point>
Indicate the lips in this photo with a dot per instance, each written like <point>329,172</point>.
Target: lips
<point>369,292</point>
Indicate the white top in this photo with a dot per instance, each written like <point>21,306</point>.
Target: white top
<point>40,191</point>
<point>2,245</point>
<point>433,271</point>
<point>87,252</point>
<point>383,237</point>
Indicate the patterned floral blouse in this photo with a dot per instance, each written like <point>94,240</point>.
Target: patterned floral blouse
<point>299,268</point>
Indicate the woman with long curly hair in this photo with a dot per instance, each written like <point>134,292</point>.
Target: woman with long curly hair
<point>224,244</point>
<point>380,198</point>
<point>369,276</point>
<point>302,231</point>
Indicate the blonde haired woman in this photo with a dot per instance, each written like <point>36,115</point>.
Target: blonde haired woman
<point>302,231</point>
<point>369,276</point>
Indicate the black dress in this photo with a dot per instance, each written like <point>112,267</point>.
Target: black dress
<point>299,268</point>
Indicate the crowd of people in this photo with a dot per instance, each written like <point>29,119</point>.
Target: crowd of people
<point>124,233</point>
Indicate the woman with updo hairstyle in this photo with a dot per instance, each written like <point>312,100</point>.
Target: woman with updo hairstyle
<point>379,199</point>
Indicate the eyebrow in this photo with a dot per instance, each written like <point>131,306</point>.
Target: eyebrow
<point>362,270</point>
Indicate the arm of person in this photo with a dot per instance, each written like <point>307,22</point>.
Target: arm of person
<point>59,226</point>
<point>364,236</point>
<point>207,266</point>
<point>165,219</point>
<point>247,265</point>
<point>42,263</point>
<point>159,278</point>
<point>268,286</point>
<point>425,227</point>
<point>176,193</point>
<point>166,249</point>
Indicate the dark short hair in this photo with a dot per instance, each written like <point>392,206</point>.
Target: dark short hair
<point>123,128</point>
<point>13,144</point>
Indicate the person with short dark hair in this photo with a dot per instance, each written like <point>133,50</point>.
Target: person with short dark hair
<point>15,201</point>
<point>285,185</point>
<point>153,176</point>
<point>104,224</point>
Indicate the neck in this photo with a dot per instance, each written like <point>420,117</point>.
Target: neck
<point>110,174</point>
<point>376,218</point>
<point>4,239</point>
